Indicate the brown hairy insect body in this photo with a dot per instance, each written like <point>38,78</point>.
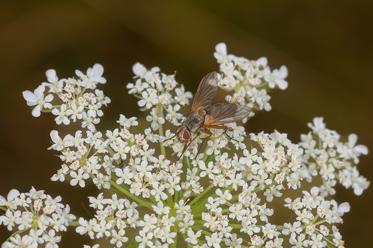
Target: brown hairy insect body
<point>205,115</point>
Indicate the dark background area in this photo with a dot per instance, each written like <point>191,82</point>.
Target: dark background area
<point>327,46</point>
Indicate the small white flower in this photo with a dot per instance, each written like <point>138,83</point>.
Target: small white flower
<point>53,84</point>
<point>95,73</point>
<point>38,100</point>
<point>51,76</point>
<point>344,208</point>
<point>62,115</point>
<point>139,70</point>
<point>127,122</point>
<point>277,77</point>
<point>220,51</point>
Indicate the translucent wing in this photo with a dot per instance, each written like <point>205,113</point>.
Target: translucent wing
<point>221,113</point>
<point>206,91</point>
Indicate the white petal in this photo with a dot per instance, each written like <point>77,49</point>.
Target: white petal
<point>51,75</point>
<point>360,185</point>
<point>352,139</point>
<point>361,149</point>
<point>39,91</point>
<point>315,190</point>
<point>68,140</point>
<point>99,80</point>
<point>49,98</point>
<point>282,84</point>
<point>262,61</point>
<point>221,48</point>
<point>97,70</point>
<point>139,70</point>
<point>12,194</point>
<point>344,208</point>
<point>65,121</point>
<point>29,97</point>
<point>54,136</point>
<point>2,201</point>
<point>79,73</point>
<point>36,111</point>
<point>283,72</point>
<point>95,73</point>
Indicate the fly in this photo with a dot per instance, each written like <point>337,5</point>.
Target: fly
<point>205,115</point>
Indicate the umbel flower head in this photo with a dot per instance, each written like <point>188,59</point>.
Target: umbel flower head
<point>38,218</point>
<point>215,193</point>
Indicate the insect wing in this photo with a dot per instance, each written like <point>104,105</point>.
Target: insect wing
<point>221,113</point>
<point>206,91</point>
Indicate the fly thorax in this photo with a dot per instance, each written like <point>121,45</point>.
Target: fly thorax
<point>195,120</point>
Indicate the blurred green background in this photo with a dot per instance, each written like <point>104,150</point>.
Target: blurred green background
<point>327,46</point>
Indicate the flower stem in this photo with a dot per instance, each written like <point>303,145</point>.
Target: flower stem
<point>174,228</point>
<point>202,195</point>
<point>329,241</point>
<point>16,233</point>
<point>236,226</point>
<point>74,223</point>
<point>174,244</point>
<point>135,198</point>
<point>3,209</point>
<point>176,197</point>
<point>161,132</point>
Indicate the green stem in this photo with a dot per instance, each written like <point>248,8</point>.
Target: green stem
<point>135,198</point>
<point>236,226</point>
<point>319,223</point>
<point>3,208</point>
<point>74,223</point>
<point>188,163</point>
<point>202,195</point>
<point>327,240</point>
<point>169,200</point>
<point>176,197</point>
<point>174,228</point>
<point>161,132</point>
<point>15,233</point>
<point>46,111</point>
<point>174,244</point>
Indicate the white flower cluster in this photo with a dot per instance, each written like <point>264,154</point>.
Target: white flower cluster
<point>316,220</point>
<point>84,157</point>
<point>273,165</point>
<point>278,165</point>
<point>215,193</point>
<point>37,219</point>
<point>70,99</point>
<point>94,156</point>
<point>112,217</point>
<point>228,213</point>
<point>334,160</point>
<point>116,216</point>
<point>249,80</point>
<point>160,94</point>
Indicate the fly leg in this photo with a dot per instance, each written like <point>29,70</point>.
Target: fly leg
<point>187,145</point>
<point>173,136</point>
<point>226,133</point>
<point>208,132</point>
<point>225,128</point>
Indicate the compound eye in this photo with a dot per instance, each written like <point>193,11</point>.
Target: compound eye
<point>186,135</point>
